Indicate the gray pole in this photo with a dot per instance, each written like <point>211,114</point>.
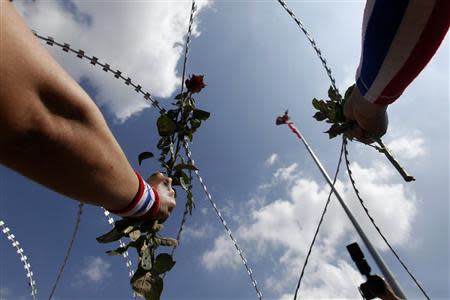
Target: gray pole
<point>375,255</point>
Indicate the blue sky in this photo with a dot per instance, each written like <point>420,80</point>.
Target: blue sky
<point>256,64</point>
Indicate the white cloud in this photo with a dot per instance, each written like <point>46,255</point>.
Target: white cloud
<point>196,232</point>
<point>286,173</point>
<point>144,40</point>
<point>409,147</point>
<point>223,255</point>
<point>271,160</point>
<point>286,225</point>
<point>95,269</point>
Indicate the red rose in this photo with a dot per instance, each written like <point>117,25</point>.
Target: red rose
<point>195,83</point>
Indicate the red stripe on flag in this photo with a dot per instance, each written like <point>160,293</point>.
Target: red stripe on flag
<point>429,41</point>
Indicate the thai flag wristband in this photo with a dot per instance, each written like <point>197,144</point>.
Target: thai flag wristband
<point>145,205</point>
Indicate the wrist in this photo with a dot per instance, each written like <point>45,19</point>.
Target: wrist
<point>144,205</point>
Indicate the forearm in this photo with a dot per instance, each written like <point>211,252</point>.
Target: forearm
<point>399,39</point>
<point>50,130</point>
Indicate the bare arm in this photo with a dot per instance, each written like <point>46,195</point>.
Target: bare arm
<point>50,130</point>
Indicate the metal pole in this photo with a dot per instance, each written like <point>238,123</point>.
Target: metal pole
<point>375,255</point>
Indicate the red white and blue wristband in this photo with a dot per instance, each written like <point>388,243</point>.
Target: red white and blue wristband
<point>145,204</point>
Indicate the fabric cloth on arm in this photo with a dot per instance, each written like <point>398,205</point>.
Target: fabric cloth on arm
<point>398,39</point>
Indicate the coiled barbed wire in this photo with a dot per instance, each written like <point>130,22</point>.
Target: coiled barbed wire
<point>105,67</point>
<point>186,52</point>
<point>224,223</point>
<point>125,255</point>
<point>333,83</point>
<point>313,44</point>
<point>95,61</point>
<point>23,258</point>
<point>320,222</point>
<point>69,249</point>
<point>372,220</point>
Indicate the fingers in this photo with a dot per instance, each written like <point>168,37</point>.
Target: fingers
<point>359,134</point>
<point>163,184</point>
<point>371,119</point>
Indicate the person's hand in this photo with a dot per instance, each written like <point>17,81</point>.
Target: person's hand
<point>371,119</point>
<point>381,289</point>
<point>163,186</point>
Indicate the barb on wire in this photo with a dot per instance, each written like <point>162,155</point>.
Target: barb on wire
<point>312,42</point>
<point>222,220</point>
<point>105,67</point>
<point>366,210</point>
<point>125,255</point>
<point>186,52</point>
<point>320,222</point>
<point>188,41</point>
<point>23,258</point>
<point>69,249</point>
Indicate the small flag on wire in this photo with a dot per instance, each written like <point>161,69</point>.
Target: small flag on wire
<point>286,120</point>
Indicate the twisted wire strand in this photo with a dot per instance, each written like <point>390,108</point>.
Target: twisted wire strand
<point>188,41</point>
<point>333,83</point>
<point>366,210</point>
<point>105,67</point>
<point>23,258</point>
<point>118,74</point>
<point>320,222</point>
<point>312,42</point>
<point>186,52</point>
<point>125,255</point>
<point>224,223</point>
<point>180,229</point>
<point>69,249</point>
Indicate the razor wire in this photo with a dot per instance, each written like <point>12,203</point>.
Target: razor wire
<point>366,210</point>
<point>224,223</point>
<point>333,83</point>
<point>138,88</point>
<point>125,255</point>
<point>186,52</point>
<point>23,258</point>
<point>69,249</point>
<point>312,42</point>
<point>320,222</point>
<point>105,67</point>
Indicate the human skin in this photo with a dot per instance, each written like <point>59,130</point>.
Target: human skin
<point>371,119</point>
<point>52,132</point>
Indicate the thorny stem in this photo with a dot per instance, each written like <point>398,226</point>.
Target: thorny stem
<point>394,162</point>
<point>178,145</point>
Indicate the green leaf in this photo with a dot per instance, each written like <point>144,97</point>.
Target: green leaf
<point>167,242</point>
<point>184,183</point>
<point>147,285</point>
<point>333,94</point>
<point>163,263</point>
<point>319,105</point>
<point>336,129</point>
<point>320,116</point>
<point>121,229</point>
<point>118,251</point>
<point>201,114</point>
<point>146,259</point>
<point>195,123</point>
<point>348,92</point>
<point>134,235</point>
<point>166,126</point>
<point>316,103</point>
<point>144,155</point>
<point>157,227</point>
